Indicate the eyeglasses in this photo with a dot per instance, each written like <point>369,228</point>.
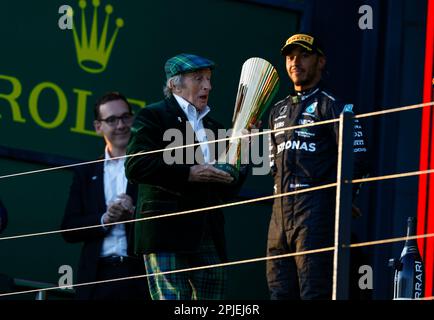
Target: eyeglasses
<point>113,121</point>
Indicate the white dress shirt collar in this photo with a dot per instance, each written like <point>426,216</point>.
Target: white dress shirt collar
<point>195,119</point>
<point>190,111</point>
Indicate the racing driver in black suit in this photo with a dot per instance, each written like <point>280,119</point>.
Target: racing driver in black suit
<point>305,158</point>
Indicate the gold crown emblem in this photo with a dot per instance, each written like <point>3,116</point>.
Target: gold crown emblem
<point>93,51</point>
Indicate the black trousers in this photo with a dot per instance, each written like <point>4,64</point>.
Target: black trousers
<point>135,289</point>
<point>305,223</point>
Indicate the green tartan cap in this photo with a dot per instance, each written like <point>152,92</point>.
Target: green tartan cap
<point>185,62</point>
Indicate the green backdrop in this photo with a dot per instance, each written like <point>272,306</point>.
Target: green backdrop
<point>46,102</point>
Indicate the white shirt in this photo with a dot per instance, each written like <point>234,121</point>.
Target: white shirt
<point>195,119</point>
<point>115,183</point>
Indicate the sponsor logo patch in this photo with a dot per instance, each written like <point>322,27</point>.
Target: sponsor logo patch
<point>279,125</point>
<point>311,109</point>
<point>304,133</point>
<point>296,145</point>
<point>283,110</point>
<point>280,118</point>
<point>348,108</point>
<point>279,133</point>
<point>305,121</point>
<point>300,37</point>
<point>359,143</point>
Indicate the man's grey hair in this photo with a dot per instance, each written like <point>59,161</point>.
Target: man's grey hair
<point>172,83</point>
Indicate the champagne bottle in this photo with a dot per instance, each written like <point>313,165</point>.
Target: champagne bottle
<point>409,269</point>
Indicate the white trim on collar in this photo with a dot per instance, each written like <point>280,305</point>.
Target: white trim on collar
<point>189,110</point>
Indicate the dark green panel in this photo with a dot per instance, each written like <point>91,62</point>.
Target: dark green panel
<point>38,55</point>
<point>35,204</point>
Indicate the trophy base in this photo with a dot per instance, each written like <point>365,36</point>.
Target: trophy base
<point>232,170</point>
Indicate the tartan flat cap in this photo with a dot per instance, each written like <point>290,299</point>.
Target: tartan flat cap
<point>185,62</point>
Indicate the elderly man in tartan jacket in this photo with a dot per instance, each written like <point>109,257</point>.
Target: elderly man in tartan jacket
<point>188,240</point>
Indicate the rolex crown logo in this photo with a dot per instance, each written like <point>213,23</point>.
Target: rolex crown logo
<point>93,51</point>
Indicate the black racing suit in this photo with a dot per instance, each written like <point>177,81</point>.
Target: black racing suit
<point>300,159</point>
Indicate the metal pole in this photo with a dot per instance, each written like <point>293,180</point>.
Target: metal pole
<point>343,208</point>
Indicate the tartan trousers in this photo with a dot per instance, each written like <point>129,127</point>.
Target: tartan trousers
<point>204,284</point>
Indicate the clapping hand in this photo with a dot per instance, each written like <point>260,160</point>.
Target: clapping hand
<point>119,210</point>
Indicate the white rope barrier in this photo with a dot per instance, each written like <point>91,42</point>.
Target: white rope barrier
<point>363,115</point>
<point>393,110</point>
<point>168,149</point>
<point>220,265</point>
<point>362,244</point>
<point>231,204</point>
<point>394,176</point>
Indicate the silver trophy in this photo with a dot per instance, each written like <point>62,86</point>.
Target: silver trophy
<point>258,85</point>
